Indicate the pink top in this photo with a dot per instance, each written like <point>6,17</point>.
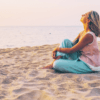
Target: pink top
<point>90,53</point>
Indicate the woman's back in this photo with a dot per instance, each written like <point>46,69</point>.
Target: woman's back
<point>90,53</point>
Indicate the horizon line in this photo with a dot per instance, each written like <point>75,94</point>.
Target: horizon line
<point>42,26</point>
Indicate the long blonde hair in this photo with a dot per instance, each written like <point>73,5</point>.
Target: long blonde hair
<point>94,24</point>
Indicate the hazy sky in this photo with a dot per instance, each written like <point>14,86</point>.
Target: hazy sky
<point>45,12</point>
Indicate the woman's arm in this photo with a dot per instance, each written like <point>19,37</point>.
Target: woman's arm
<point>88,38</point>
<point>76,40</point>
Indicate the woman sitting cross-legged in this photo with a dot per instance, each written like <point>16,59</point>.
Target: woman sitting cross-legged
<point>82,55</point>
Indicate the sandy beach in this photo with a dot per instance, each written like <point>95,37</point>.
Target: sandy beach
<point>22,79</point>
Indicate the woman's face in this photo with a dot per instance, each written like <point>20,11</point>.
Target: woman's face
<point>84,19</point>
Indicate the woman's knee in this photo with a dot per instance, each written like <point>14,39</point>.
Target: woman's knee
<point>66,43</point>
<point>66,40</point>
<point>58,65</point>
<point>55,64</point>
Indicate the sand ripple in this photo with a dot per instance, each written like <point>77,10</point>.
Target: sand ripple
<point>21,78</point>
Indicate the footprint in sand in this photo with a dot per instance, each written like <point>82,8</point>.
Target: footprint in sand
<point>3,72</point>
<point>30,85</point>
<point>7,81</point>
<point>35,95</point>
<point>96,98</point>
<point>94,92</point>
<point>94,84</point>
<point>33,73</point>
<point>21,90</point>
<point>2,97</point>
<point>90,78</point>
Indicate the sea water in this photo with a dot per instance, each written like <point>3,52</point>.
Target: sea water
<point>20,36</point>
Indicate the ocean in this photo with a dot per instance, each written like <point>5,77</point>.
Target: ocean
<point>20,36</point>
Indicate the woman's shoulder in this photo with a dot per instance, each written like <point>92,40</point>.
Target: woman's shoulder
<point>86,38</point>
<point>91,33</point>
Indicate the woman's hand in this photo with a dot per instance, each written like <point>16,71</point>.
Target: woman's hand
<point>55,49</point>
<point>54,53</point>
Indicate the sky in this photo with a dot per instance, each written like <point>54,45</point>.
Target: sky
<point>45,12</point>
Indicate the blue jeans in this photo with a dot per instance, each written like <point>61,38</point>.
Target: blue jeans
<point>70,62</point>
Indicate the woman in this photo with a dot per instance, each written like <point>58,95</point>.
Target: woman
<point>81,56</point>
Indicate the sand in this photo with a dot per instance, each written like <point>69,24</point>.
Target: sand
<point>22,79</point>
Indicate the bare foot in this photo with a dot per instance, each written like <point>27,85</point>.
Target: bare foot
<point>50,66</point>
